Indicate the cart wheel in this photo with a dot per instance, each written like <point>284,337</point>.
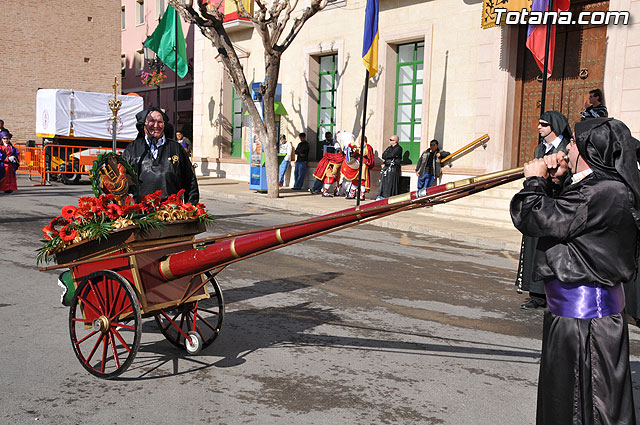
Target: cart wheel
<point>105,324</point>
<point>193,344</point>
<point>176,324</point>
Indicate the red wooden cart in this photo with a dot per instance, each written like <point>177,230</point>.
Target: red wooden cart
<point>165,274</point>
<point>113,295</point>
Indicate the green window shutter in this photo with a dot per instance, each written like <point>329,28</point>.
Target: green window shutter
<point>408,102</point>
<point>236,125</point>
<point>326,99</point>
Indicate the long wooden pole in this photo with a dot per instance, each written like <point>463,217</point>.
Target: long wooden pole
<point>547,43</point>
<point>424,197</point>
<point>362,137</point>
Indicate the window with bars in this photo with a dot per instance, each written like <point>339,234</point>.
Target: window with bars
<point>326,98</point>
<point>408,106</point>
<point>236,125</point>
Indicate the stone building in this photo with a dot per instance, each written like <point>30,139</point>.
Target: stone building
<point>441,76</point>
<point>54,45</point>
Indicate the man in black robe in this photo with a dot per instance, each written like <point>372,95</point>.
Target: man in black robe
<point>391,172</point>
<point>160,163</point>
<point>555,134</point>
<point>586,251</point>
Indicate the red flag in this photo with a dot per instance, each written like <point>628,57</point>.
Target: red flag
<point>537,34</point>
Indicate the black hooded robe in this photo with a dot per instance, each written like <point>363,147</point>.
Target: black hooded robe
<point>169,172</point>
<point>588,237</point>
<point>391,172</point>
<point>524,278</point>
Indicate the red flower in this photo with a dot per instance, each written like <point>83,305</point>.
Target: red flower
<point>57,221</point>
<point>49,233</point>
<point>67,212</point>
<point>68,233</point>
<point>152,198</point>
<point>87,201</point>
<point>201,210</point>
<point>82,214</point>
<point>114,211</point>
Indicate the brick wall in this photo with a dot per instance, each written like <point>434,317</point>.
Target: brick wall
<point>55,44</point>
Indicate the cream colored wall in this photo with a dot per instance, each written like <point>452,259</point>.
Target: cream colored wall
<point>622,67</point>
<point>476,100</point>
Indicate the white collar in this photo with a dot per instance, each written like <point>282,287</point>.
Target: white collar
<point>577,177</point>
<point>159,143</point>
<point>553,144</point>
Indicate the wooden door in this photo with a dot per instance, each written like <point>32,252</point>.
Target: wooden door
<point>578,67</point>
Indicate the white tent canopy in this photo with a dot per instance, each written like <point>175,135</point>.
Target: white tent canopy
<point>58,111</point>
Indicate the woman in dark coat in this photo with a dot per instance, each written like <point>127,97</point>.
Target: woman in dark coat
<point>390,175</point>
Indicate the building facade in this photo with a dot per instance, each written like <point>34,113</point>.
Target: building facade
<point>139,18</point>
<point>44,48</point>
<point>440,76</point>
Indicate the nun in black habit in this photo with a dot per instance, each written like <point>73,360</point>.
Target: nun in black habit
<point>586,251</point>
<point>555,135</point>
<point>159,161</point>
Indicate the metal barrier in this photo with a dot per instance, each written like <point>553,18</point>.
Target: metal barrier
<point>31,161</point>
<point>58,162</point>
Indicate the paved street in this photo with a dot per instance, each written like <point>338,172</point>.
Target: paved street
<point>364,326</point>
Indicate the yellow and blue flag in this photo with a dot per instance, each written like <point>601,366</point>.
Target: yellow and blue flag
<point>370,42</point>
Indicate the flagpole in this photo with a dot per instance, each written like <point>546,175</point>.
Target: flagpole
<point>175,93</point>
<point>362,143</point>
<point>547,42</point>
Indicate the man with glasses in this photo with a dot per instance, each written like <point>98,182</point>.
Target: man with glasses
<point>160,162</point>
<point>555,135</point>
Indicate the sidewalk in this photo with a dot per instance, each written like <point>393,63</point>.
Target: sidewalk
<point>419,221</point>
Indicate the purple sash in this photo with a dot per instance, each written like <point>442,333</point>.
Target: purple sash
<point>584,301</point>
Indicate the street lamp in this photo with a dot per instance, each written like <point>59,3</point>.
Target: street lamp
<point>154,63</point>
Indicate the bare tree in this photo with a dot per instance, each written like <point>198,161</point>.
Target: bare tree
<point>277,28</point>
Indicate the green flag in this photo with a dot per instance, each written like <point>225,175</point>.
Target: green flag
<point>165,37</point>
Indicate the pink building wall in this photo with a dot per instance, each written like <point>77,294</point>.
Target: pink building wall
<point>133,35</point>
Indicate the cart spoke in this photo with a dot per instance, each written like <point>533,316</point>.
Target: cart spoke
<point>122,325</point>
<point>124,309</point>
<point>206,310</point>
<point>87,303</point>
<point>113,350</point>
<point>104,353</point>
<point>98,296</point>
<point>122,341</point>
<point>114,303</point>
<point>87,337</point>
<point>93,351</point>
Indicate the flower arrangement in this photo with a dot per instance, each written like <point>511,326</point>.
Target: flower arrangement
<point>152,79</point>
<point>96,217</point>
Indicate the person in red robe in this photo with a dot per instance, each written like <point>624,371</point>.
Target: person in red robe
<point>9,162</point>
<point>350,168</point>
<point>328,171</point>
